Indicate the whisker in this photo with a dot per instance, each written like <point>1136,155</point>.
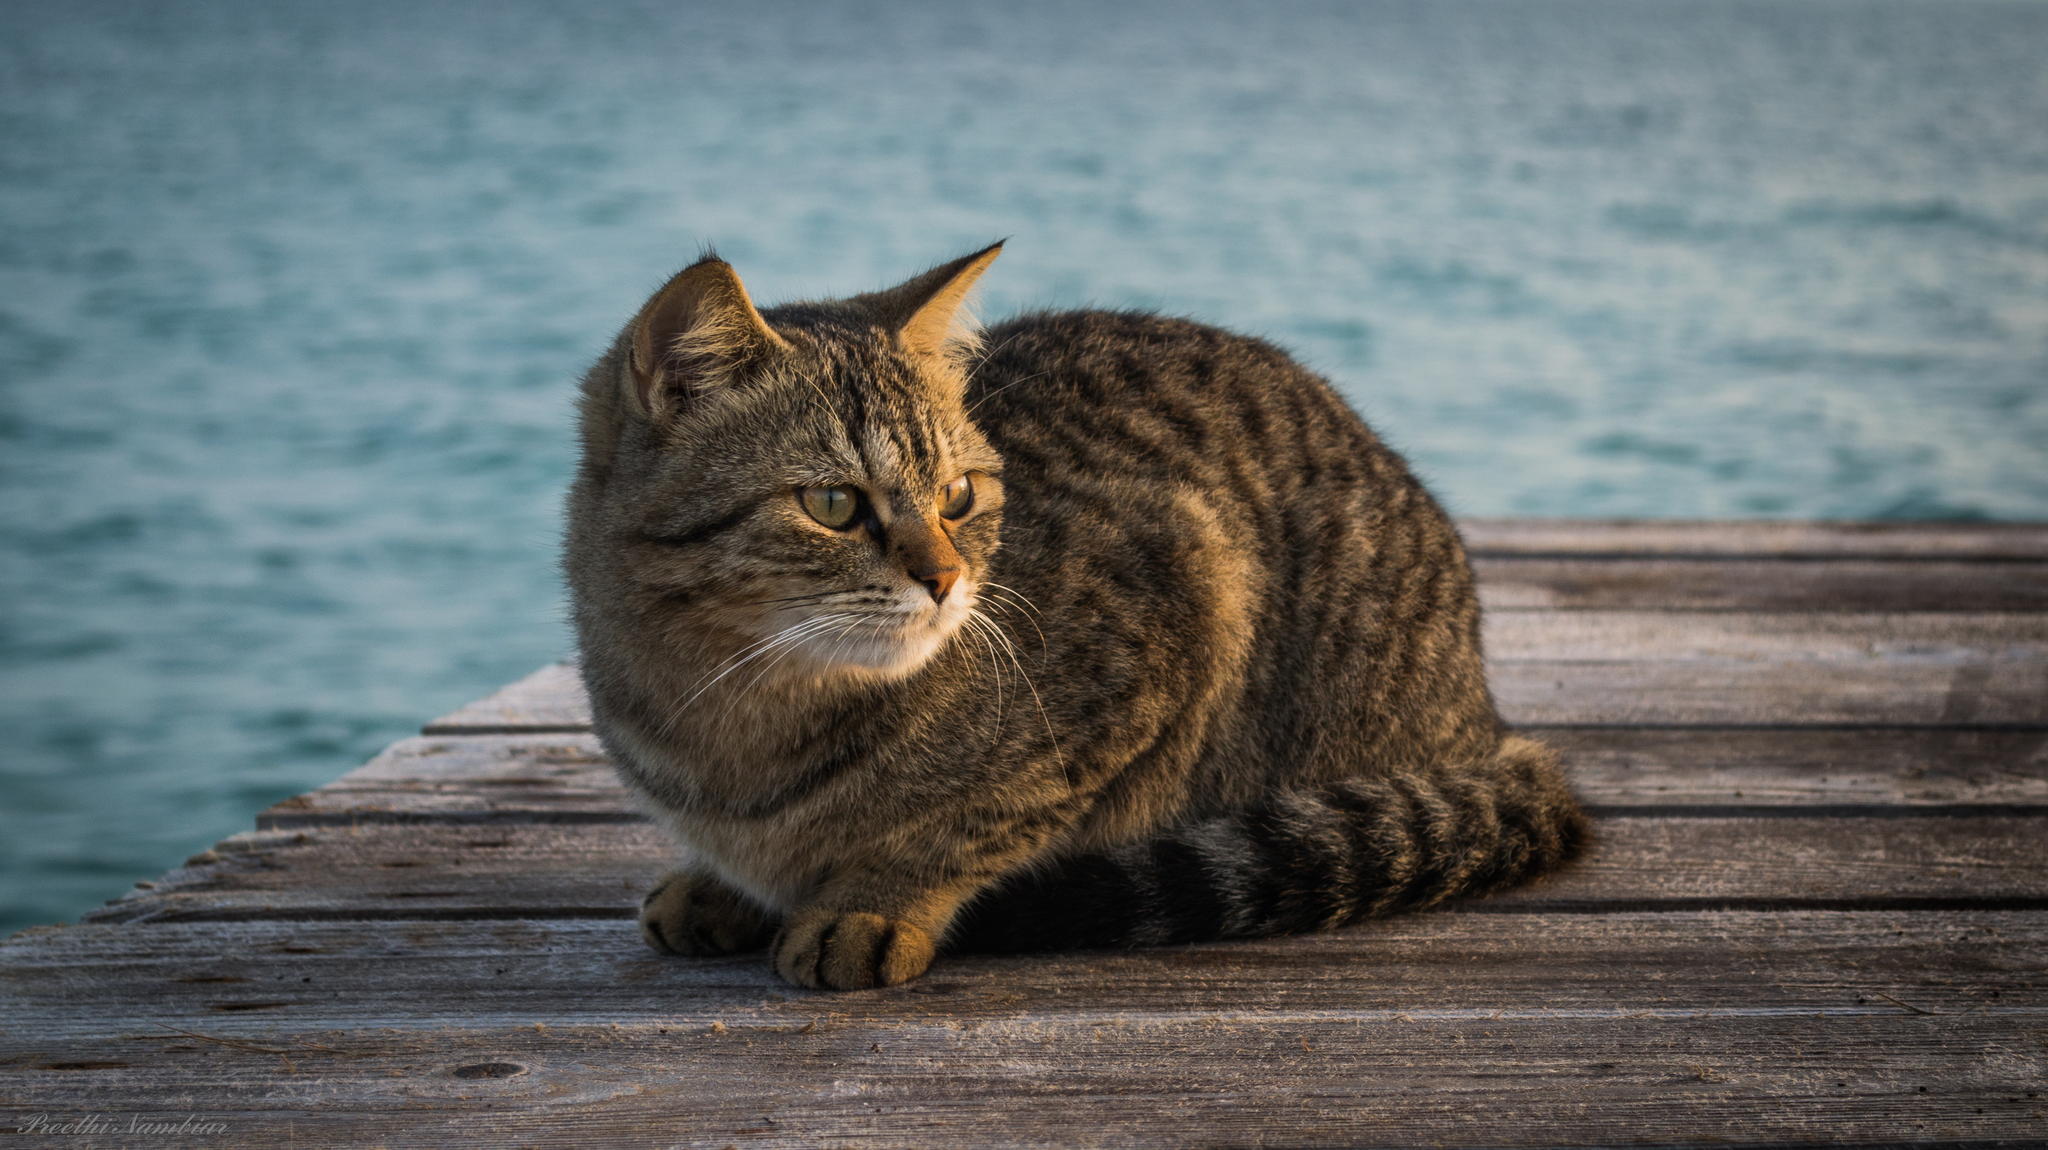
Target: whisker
<point>1004,598</point>
<point>1002,389</point>
<point>784,653</point>
<point>847,635</point>
<point>1058,757</point>
<point>800,598</point>
<point>675,713</point>
<point>781,638</point>
<point>1021,597</point>
<point>988,353</point>
<point>820,390</point>
<point>975,622</point>
<point>731,704</point>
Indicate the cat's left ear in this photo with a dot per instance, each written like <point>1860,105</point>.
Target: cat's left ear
<point>930,311</point>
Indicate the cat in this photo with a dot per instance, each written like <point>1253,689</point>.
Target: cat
<point>1092,629</point>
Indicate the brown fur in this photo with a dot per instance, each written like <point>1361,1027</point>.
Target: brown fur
<point>1211,667</point>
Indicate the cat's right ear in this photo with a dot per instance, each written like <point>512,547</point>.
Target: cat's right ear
<point>698,333</point>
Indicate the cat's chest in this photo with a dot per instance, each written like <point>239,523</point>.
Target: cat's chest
<point>755,770</point>
<point>768,823</point>
<point>759,760</point>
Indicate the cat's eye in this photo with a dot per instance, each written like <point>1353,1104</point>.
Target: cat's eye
<point>835,507</point>
<point>957,498</point>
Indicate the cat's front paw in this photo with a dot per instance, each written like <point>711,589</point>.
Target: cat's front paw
<point>697,915</point>
<point>833,950</point>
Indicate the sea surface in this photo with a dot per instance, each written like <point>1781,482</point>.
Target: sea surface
<point>293,296</point>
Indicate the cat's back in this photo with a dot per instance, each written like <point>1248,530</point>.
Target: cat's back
<point>1126,401</point>
<point>1182,490</point>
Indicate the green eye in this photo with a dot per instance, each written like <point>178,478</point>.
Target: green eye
<point>835,507</point>
<point>956,498</point>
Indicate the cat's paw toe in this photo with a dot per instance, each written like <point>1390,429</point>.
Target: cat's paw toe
<point>851,951</point>
<point>693,915</point>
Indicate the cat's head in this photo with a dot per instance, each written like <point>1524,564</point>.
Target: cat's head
<point>802,485</point>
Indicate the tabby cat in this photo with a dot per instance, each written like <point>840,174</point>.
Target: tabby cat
<point>1092,629</point>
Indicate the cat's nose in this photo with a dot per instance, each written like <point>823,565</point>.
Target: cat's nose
<point>927,555</point>
<point>938,580</point>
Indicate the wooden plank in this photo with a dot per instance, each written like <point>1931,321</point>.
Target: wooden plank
<point>550,699</point>
<point>1468,1030</point>
<point>1788,694</point>
<point>1593,538</point>
<point>1382,1080</point>
<point>1685,667</point>
<point>1736,583</point>
<point>252,978</point>
<point>475,778</point>
<point>1847,937</point>
<point>1749,637</point>
<point>1372,1082</point>
<point>1623,769</point>
<point>1937,691</point>
<point>1619,770</point>
<point>542,870</point>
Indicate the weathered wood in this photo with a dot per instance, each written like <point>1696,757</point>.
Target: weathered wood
<point>1739,584</point>
<point>282,976</point>
<point>1374,1035</point>
<point>1375,1080</point>
<point>1848,637</point>
<point>542,870</point>
<point>1777,694</point>
<point>1621,769</point>
<point>1937,691</point>
<point>550,699</point>
<point>566,777</point>
<point>1598,538</point>
<point>476,778</point>
<point>1817,911</point>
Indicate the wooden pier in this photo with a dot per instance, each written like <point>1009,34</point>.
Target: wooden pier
<point>1817,912</point>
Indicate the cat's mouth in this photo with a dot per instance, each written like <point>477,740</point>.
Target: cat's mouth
<point>890,643</point>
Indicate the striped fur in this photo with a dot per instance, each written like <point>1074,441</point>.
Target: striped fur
<point>1299,860</point>
<point>1211,668</point>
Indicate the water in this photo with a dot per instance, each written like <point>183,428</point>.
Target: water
<point>292,296</point>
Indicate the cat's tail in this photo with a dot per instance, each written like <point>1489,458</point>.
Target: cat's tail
<point>1302,860</point>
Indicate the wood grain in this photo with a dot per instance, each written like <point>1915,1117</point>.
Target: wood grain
<point>1619,770</point>
<point>1817,911</point>
<point>1224,1079</point>
<point>275,978</point>
<point>1556,1029</point>
<point>1942,688</point>
<point>1853,638</point>
<point>1625,538</point>
<point>1743,584</point>
<point>549,699</point>
<point>1793,693</point>
<point>541,870</point>
<point>1555,667</point>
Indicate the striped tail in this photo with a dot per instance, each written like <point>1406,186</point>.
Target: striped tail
<point>1302,860</point>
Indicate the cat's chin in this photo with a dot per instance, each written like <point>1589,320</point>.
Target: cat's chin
<point>886,655</point>
<point>886,648</point>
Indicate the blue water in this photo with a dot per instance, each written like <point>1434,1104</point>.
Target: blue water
<point>292,296</point>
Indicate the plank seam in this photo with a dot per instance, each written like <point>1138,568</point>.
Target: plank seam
<point>1598,810</point>
<point>445,729</point>
<point>1520,906</point>
<point>1834,810</point>
<point>1988,559</point>
<point>452,730</point>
